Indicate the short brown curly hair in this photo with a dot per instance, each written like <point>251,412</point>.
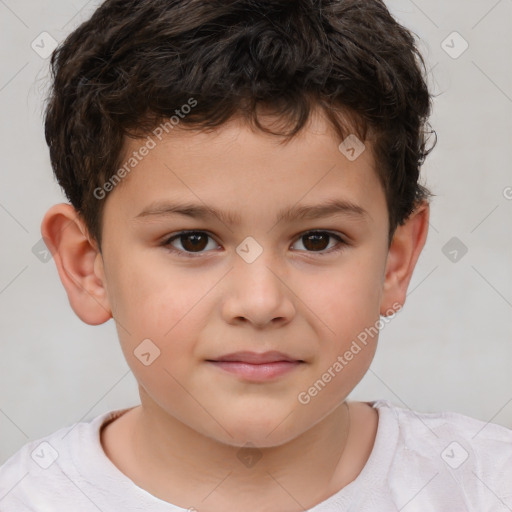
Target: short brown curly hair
<point>134,62</point>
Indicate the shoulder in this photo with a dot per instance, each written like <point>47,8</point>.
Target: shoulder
<point>472,456</point>
<point>425,430</point>
<point>43,474</point>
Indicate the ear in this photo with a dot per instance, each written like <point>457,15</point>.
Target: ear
<point>79,263</point>
<point>404,251</point>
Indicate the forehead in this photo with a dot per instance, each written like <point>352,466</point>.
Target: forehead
<point>246,172</point>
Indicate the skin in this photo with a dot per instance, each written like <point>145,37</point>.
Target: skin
<point>181,443</point>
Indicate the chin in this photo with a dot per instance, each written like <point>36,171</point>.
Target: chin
<point>267,432</point>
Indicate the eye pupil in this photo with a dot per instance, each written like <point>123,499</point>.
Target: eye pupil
<point>314,237</point>
<point>196,244</point>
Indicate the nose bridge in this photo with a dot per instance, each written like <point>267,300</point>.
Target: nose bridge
<point>256,269</point>
<point>257,291</point>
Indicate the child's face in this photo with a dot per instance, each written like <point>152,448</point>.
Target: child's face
<point>299,297</point>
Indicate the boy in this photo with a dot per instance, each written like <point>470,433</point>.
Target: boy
<point>207,148</point>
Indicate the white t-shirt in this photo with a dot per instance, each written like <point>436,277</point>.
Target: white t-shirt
<point>420,462</point>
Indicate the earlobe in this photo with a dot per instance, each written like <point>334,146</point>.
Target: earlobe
<point>406,246</point>
<point>76,258</point>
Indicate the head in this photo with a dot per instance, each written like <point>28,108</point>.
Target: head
<point>236,114</point>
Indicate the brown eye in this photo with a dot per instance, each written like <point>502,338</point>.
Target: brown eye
<point>191,242</point>
<point>194,242</point>
<point>319,241</point>
<point>316,241</point>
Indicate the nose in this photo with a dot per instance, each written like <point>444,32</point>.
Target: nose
<point>258,293</point>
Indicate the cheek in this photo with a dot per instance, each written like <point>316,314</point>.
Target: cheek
<point>157,325</point>
<point>348,300</point>
<point>165,306</point>
<point>148,299</point>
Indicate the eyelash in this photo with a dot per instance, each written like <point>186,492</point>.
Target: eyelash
<point>167,243</point>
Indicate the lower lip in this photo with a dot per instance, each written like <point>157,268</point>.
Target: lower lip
<point>257,372</point>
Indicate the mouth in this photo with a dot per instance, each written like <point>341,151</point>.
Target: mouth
<point>257,367</point>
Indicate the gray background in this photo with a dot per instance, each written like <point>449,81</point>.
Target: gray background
<point>449,349</point>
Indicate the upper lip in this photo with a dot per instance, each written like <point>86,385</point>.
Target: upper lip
<point>256,358</point>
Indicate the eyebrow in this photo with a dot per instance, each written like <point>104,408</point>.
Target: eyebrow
<point>328,208</point>
<point>297,212</point>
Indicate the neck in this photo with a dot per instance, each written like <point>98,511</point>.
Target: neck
<point>211,476</point>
